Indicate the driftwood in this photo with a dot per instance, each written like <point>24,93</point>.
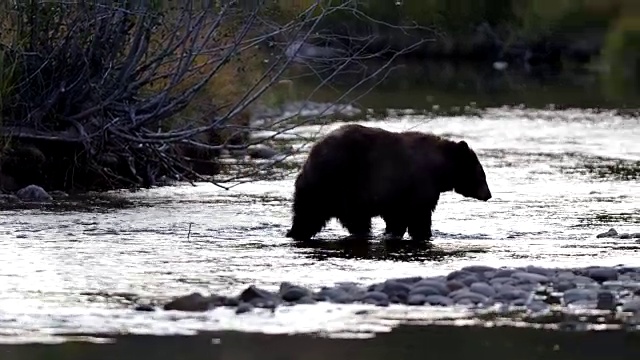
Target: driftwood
<point>103,88</point>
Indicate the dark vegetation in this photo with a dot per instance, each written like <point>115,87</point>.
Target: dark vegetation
<point>116,94</point>
<point>122,94</point>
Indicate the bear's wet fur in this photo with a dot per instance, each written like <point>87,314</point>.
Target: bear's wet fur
<point>357,172</point>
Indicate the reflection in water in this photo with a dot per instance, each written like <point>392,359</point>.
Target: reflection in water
<point>383,250</point>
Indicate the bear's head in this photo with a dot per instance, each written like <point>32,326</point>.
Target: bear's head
<point>469,179</point>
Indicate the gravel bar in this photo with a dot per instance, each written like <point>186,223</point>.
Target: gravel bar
<point>539,293</point>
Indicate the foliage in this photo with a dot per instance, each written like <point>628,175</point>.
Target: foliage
<point>124,93</point>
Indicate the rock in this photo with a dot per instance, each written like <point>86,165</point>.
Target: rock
<point>625,236</point>
<point>614,285</point>
<point>632,305</point>
<point>292,293</point>
<point>510,294</point>
<point>475,298</point>
<point>33,193</point>
<point>409,280</point>
<point>454,285</point>
<point>603,274</point>
<point>500,281</point>
<point>606,300</point>
<point>573,295</point>
<point>538,270</point>
<point>259,297</point>
<point>530,277</point>
<point>192,302</point>
<point>564,285</point>
<point>468,280</point>
<point>334,295</point>
<point>537,306</point>
<point>438,285</point>
<point>425,290</point>
<point>375,296</point>
<point>57,194</point>
<point>608,234</point>
<point>307,300</point>
<point>144,307</point>
<point>261,151</point>
<point>244,308</point>
<point>8,199</point>
<point>438,300</point>
<point>478,269</point>
<point>416,299</point>
<point>458,274</point>
<point>231,301</point>
<point>483,289</point>
<point>636,235</point>
<point>395,288</point>
<point>503,273</point>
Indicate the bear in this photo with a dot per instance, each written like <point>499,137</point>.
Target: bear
<point>357,172</point>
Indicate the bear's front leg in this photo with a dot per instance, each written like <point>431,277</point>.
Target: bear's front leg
<point>396,224</point>
<point>307,225</point>
<point>420,226</point>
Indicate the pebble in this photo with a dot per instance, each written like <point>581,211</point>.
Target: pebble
<point>532,287</point>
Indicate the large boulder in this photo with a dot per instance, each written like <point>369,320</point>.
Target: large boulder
<point>33,193</point>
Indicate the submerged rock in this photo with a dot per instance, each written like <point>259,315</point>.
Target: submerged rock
<point>608,234</point>
<point>191,302</point>
<point>33,193</point>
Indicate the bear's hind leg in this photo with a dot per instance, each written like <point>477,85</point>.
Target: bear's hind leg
<point>420,226</point>
<point>359,226</point>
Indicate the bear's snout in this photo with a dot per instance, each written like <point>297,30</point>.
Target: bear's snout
<point>485,194</point>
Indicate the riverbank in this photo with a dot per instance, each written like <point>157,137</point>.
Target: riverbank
<point>516,32</point>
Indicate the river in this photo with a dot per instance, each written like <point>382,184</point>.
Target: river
<point>558,178</point>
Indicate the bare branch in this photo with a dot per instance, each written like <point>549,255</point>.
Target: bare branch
<point>132,89</point>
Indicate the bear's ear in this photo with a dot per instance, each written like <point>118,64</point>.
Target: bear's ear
<point>463,147</point>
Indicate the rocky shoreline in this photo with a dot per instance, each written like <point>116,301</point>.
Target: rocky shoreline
<point>535,291</point>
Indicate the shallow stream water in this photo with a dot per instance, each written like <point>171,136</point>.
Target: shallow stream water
<point>558,178</point>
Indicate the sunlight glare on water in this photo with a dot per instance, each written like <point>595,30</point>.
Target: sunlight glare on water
<point>548,203</point>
